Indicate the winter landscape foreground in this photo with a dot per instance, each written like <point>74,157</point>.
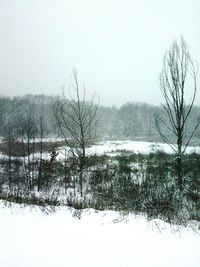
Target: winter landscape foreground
<point>30,237</point>
<point>33,237</point>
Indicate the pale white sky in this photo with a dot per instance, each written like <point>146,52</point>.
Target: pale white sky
<point>116,46</point>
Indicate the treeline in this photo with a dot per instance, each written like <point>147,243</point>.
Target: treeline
<point>135,121</point>
<point>32,111</point>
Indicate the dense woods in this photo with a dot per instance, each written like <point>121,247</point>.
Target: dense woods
<point>132,121</point>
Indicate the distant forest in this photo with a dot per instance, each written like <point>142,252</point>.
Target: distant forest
<point>133,121</point>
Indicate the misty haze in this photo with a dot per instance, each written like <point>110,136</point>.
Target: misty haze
<point>99,133</point>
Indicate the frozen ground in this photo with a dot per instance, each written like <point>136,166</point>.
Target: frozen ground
<point>113,147</point>
<point>30,238</point>
<point>135,146</point>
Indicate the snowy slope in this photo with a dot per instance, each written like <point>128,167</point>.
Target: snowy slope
<point>30,238</point>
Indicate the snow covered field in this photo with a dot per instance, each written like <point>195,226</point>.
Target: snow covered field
<point>135,146</point>
<point>30,238</point>
<point>113,147</point>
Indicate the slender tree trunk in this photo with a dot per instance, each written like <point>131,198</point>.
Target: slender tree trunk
<point>82,167</point>
<point>179,163</point>
<point>9,162</point>
<point>29,162</point>
<point>40,165</point>
<point>179,172</point>
<point>65,168</point>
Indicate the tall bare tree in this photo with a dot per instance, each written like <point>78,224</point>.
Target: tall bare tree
<point>179,73</point>
<point>77,121</point>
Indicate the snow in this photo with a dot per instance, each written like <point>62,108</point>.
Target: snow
<point>135,146</point>
<point>30,238</point>
<point>113,147</point>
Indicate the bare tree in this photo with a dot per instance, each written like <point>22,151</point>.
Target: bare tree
<point>178,74</point>
<point>77,121</point>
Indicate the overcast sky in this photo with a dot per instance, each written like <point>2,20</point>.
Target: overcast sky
<point>116,46</point>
